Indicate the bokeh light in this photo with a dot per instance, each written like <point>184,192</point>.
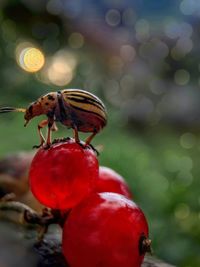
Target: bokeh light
<point>183,46</point>
<point>188,7</point>
<point>129,17</point>
<point>127,52</point>
<point>113,17</point>
<point>142,30</point>
<point>30,59</point>
<point>182,77</point>
<point>187,140</point>
<point>185,178</point>
<point>54,7</point>
<point>59,69</point>
<point>76,40</point>
<point>182,211</point>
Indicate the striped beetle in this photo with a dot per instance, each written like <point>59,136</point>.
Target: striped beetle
<point>75,108</point>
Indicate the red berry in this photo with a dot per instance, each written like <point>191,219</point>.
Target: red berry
<point>61,176</point>
<point>111,181</point>
<point>106,230</point>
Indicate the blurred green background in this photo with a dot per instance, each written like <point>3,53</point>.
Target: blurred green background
<point>142,58</point>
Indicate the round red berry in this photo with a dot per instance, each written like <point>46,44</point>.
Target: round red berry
<point>61,176</point>
<point>106,230</point>
<point>111,181</point>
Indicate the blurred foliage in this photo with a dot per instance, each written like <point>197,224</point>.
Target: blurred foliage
<point>142,59</point>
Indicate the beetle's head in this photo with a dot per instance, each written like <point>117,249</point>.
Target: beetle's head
<point>34,109</point>
<point>44,105</point>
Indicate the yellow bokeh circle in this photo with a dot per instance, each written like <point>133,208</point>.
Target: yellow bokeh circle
<point>31,59</point>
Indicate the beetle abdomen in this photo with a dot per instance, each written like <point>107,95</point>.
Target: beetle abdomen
<point>87,111</point>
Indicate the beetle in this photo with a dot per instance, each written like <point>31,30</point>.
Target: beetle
<point>75,108</point>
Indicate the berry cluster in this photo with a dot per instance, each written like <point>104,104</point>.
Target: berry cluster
<point>104,227</point>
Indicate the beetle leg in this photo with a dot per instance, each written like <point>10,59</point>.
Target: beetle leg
<point>76,137</point>
<point>51,123</point>
<point>41,125</point>
<point>89,139</point>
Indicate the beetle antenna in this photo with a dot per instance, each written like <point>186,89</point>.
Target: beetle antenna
<point>10,109</point>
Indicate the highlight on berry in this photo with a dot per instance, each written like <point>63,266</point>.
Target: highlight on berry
<point>75,108</point>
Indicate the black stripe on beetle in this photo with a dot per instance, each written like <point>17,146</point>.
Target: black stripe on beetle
<point>86,101</point>
<point>85,96</point>
<point>88,111</point>
<point>63,114</point>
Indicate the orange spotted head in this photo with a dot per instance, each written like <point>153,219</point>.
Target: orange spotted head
<point>44,105</point>
<point>34,109</point>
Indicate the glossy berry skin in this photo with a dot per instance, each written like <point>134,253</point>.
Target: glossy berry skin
<point>61,176</point>
<point>110,181</point>
<point>106,230</point>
